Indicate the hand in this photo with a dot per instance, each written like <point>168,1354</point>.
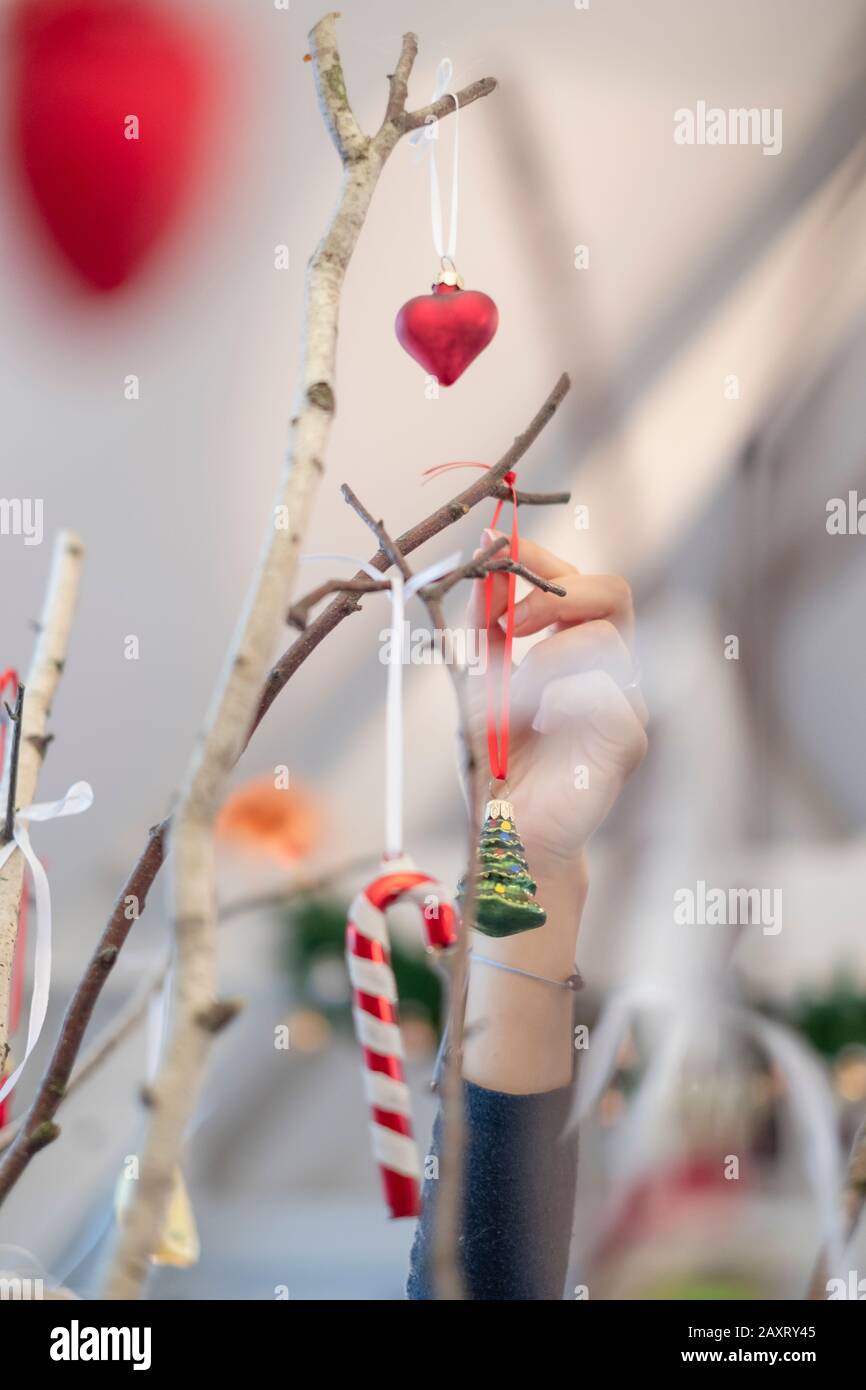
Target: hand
<point>577,718</point>
<point>577,732</point>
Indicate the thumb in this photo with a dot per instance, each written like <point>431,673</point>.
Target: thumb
<point>594,698</point>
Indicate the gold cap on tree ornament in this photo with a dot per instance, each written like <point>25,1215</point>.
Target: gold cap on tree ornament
<point>505,891</point>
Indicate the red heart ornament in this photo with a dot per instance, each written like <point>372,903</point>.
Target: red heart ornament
<point>82,69</point>
<point>446,330</point>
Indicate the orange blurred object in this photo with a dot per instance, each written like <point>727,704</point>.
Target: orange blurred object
<point>284,824</point>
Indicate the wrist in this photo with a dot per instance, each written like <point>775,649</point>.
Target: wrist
<point>519,1031</point>
<point>549,949</point>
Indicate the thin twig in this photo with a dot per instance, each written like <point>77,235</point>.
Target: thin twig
<point>447,1273</point>
<point>386,544</point>
<point>503,493</point>
<point>481,568</point>
<point>299,613</point>
<point>477,568</point>
<point>425,115</point>
<point>16,718</point>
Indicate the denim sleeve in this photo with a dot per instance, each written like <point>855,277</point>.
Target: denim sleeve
<point>518,1206</point>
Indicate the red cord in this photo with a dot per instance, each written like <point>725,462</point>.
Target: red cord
<point>497,739</point>
<point>10,678</point>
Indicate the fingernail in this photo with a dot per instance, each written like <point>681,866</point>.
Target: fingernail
<point>487,538</point>
<point>521,612</point>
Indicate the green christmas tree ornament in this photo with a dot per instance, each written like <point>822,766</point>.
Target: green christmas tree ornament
<point>505,897</point>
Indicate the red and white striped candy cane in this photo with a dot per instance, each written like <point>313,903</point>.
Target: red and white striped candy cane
<point>374,998</point>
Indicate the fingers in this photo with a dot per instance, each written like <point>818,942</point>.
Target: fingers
<point>475,611</point>
<point>593,695</point>
<point>593,646</point>
<point>587,597</point>
<point>536,558</point>
<point>595,621</point>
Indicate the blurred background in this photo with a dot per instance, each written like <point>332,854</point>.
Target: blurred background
<point>714,328</point>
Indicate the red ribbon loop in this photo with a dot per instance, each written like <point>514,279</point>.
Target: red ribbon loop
<point>498,739</point>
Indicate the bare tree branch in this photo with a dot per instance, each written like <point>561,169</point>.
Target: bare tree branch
<point>411,120</point>
<point>134,1012</point>
<point>14,757</point>
<point>503,493</point>
<point>425,530</point>
<point>399,79</point>
<point>135,890</point>
<point>388,547</point>
<point>348,137</point>
<point>482,567</point>
<point>31,730</point>
<point>299,613</point>
<point>38,1127</point>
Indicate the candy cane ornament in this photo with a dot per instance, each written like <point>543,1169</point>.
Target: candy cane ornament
<point>368,953</point>
<point>377,1026</point>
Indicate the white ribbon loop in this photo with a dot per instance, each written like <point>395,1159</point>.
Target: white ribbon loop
<point>429,133</point>
<point>400,591</point>
<point>79,798</point>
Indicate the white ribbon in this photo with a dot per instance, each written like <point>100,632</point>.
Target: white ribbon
<point>429,132</point>
<point>79,798</point>
<point>400,591</point>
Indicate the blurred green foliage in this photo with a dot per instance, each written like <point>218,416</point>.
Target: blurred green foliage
<point>313,935</point>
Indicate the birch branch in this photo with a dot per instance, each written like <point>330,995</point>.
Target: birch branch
<point>41,684</point>
<point>226,729</point>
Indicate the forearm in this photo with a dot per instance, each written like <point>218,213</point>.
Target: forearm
<point>519,1032</point>
<point>520,1161</point>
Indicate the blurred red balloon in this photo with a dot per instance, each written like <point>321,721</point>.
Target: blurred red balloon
<point>110,103</point>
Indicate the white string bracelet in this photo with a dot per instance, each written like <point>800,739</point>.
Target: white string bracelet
<point>574,982</point>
